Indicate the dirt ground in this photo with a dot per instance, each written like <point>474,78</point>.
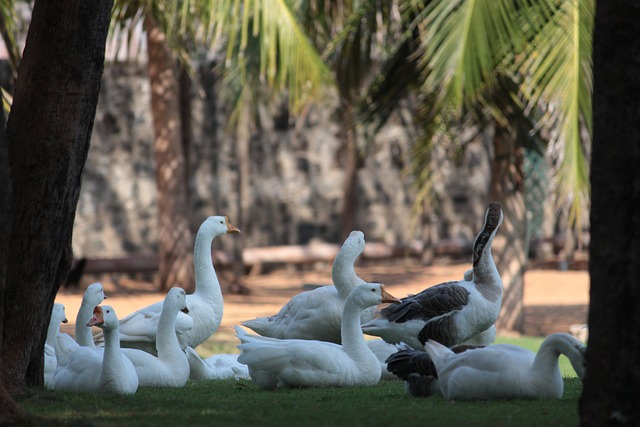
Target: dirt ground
<point>553,299</point>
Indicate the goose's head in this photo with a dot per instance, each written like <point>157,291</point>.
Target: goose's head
<point>371,294</point>
<point>104,317</point>
<point>577,356</point>
<point>58,314</point>
<point>94,295</point>
<point>176,299</point>
<point>354,244</point>
<point>494,217</point>
<point>219,225</point>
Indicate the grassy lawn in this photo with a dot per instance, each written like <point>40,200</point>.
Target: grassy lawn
<point>241,403</point>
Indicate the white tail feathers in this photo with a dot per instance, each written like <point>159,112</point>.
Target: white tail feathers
<point>436,351</point>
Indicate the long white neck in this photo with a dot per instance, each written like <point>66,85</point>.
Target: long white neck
<point>207,284</point>
<point>83,332</point>
<point>353,342</point>
<point>112,362</point>
<point>343,273</point>
<point>52,332</point>
<point>167,343</point>
<point>546,361</point>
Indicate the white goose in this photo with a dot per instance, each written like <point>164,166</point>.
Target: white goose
<point>65,344</point>
<point>205,304</point>
<point>50,360</point>
<point>98,370</point>
<point>317,314</point>
<point>171,367</point>
<point>451,312</point>
<point>502,371</point>
<point>309,363</point>
<point>216,367</point>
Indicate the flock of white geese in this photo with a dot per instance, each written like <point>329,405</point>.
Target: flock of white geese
<point>438,341</point>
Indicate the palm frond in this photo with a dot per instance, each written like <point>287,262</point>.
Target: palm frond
<point>8,32</point>
<point>462,44</point>
<point>288,60</point>
<point>558,75</point>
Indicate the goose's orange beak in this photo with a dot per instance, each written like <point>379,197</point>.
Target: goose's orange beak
<point>231,228</point>
<point>98,318</point>
<point>387,297</point>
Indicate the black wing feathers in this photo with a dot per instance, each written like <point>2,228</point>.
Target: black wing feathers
<point>431,302</point>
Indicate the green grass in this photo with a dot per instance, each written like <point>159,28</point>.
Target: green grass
<point>241,403</point>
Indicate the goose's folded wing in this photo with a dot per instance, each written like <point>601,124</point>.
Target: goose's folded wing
<point>430,303</point>
<point>406,362</point>
<point>142,325</point>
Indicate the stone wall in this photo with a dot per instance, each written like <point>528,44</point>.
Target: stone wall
<point>296,176</point>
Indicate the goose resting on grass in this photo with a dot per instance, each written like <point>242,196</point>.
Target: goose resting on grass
<point>171,367</point>
<point>98,370</point>
<point>499,371</point>
<point>275,363</point>
<point>451,312</point>
<point>205,304</point>
<point>316,314</point>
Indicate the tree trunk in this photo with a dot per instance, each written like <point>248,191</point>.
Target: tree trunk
<point>507,185</point>
<point>351,166</point>
<point>611,394</point>
<point>175,239</point>
<point>48,131</point>
<point>10,412</point>
<point>243,137</point>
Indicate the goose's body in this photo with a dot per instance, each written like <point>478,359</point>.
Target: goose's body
<point>98,370</point>
<point>416,368</point>
<point>216,367</point>
<point>451,312</point>
<point>50,359</point>
<point>171,367</point>
<point>317,314</point>
<point>205,304</point>
<point>503,370</point>
<point>275,363</point>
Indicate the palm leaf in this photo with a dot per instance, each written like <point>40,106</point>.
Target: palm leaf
<point>559,77</point>
<point>463,42</point>
<point>288,60</point>
<point>8,31</point>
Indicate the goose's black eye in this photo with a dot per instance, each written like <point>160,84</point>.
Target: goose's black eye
<point>373,289</point>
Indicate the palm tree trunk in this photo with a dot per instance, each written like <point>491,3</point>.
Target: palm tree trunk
<point>48,133</point>
<point>509,247</point>
<point>243,137</point>
<point>351,166</point>
<point>175,239</point>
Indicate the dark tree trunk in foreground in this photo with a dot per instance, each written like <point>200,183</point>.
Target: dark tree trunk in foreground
<point>48,130</point>
<point>175,240</point>
<point>611,394</point>
<point>10,412</point>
